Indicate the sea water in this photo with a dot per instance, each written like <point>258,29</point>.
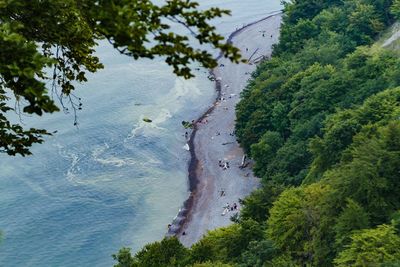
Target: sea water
<point>114,180</point>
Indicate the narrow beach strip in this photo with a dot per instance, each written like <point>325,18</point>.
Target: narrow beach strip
<point>216,179</point>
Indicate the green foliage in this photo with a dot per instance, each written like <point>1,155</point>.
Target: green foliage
<point>297,16</point>
<point>282,261</point>
<point>295,37</point>
<point>226,244</point>
<point>211,264</point>
<point>371,247</point>
<point>296,10</point>
<point>305,220</point>
<point>168,252</point>
<point>257,253</point>
<point>352,218</point>
<point>61,35</point>
<point>296,91</point>
<point>257,205</point>
<point>265,150</point>
<point>395,220</point>
<point>298,223</point>
<point>341,127</point>
<point>395,263</point>
<point>124,258</point>
<point>364,22</point>
<point>323,112</point>
<point>369,172</point>
<point>395,9</point>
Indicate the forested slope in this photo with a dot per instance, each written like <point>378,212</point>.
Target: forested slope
<point>321,120</point>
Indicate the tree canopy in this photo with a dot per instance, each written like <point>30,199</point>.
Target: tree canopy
<point>55,40</point>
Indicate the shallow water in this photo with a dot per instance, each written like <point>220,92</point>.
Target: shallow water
<point>114,181</point>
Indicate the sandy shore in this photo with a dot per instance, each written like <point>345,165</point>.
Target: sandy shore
<point>212,186</point>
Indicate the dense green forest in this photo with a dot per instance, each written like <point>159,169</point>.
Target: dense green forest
<point>321,120</point>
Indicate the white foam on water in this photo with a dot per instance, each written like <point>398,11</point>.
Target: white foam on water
<point>167,106</point>
<point>99,157</point>
<point>148,128</point>
<point>71,173</point>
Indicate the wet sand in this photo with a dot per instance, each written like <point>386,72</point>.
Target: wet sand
<point>213,144</point>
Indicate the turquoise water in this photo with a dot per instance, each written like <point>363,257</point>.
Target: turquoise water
<point>114,181</point>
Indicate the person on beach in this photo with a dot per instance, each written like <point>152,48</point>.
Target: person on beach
<point>222,193</point>
<point>221,164</point>
<point>226,210</point>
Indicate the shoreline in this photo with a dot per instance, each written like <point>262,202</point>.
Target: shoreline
<point>185,214</point>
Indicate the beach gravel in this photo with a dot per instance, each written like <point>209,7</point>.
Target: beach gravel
<point>214,142</point>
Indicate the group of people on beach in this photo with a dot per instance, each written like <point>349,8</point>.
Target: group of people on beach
<point>223,164</point>
<point>228,208</point>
